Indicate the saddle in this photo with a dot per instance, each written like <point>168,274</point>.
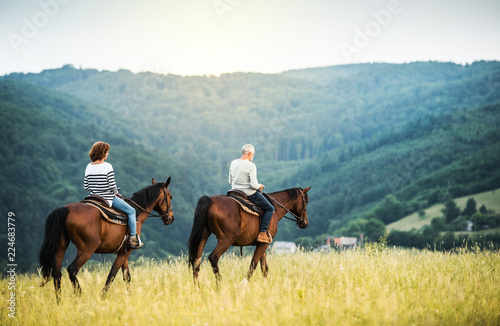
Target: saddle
<point>109,214</point>
<point>241,198</point>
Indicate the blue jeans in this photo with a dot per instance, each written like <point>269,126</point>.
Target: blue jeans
<point>264,204</point>
<point>120,204</point>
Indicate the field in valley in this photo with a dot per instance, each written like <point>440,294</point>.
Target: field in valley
<point>491,199</point>
<point>371,286</point>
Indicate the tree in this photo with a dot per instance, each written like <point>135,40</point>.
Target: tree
<point>458,224</point>
<point>439,224</point>
<point>374,229</point>
<point>483,209</point>
<point>390,211</point>
<point>353,229</point>
<point>470,207</point>
<point>450,210</point>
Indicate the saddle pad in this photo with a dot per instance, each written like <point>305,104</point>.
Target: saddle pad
<point>243,203</point>
<point>109,214</point>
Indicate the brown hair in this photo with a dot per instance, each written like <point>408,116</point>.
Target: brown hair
<point>98,151</point>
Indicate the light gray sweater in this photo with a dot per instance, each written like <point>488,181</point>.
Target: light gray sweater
<point>243,176</point>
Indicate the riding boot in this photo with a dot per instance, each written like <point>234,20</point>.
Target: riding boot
<point>265,237</point>
<point>135,242</point>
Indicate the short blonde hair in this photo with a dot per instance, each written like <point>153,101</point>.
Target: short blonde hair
<point>98,151</point>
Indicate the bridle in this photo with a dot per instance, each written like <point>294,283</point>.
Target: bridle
<point>150,214</point>
<point>298,219</point>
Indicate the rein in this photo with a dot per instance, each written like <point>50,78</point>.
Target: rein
<point>298,219</point>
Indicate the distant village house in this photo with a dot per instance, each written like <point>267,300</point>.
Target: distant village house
<point>284,247</point>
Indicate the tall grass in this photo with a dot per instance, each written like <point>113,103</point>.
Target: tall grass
<point>356,287</point>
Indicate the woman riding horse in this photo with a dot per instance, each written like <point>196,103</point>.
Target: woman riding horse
<point>100,180</point>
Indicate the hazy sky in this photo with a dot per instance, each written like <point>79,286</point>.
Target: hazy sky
<point>197,37</point>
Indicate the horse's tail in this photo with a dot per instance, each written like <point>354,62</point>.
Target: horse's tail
<point>199,224</point>
<point>54,227</point>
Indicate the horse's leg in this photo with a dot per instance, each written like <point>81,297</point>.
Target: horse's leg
<point>259,251</point>
<point>120,261</point>
<point>63,245</point>
<point>199,253</point>
<point>263,264</point>
<point>221,248</point>
<point>126,274</point>
<point>81,258</point>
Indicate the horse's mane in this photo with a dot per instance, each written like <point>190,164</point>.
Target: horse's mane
<point>292,192</point>
<point>145,196</point>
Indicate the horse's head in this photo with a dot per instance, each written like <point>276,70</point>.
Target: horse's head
<point>164,204</point>
<point>300,208</point>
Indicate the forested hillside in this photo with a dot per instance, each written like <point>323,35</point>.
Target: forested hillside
<point>355,133</point>
<point>419,163</point>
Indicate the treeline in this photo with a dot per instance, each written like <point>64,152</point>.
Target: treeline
<point>454,229</point>
<point>446,241</point>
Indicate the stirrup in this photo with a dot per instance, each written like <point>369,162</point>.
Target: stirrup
<point>135,242</point>
<point>265,237</point>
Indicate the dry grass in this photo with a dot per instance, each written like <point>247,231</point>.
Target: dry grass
<point>365,287</point>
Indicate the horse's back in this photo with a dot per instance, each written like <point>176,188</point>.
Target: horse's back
<point>82,213</point>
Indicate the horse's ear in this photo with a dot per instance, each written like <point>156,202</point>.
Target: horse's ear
<point>307,189</point>
<point>153,181</point>
<point>168,182</point>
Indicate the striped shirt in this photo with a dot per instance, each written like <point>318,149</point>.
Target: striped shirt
<point>100,180</point>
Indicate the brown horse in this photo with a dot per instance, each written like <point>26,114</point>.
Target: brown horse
<point>232,226</point>
<point>83,225</point>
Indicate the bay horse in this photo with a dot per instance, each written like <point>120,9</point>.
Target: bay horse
<point>232,226</point>
<point>83,225</point>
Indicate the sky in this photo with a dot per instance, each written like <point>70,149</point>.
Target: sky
<point>211,37</point>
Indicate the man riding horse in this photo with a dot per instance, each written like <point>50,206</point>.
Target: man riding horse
<point>243,176</point>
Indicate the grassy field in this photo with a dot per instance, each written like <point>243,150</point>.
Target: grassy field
<point>491,199</point>
<point>359,287</point>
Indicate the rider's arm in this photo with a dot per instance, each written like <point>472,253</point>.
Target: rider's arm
<point>253,179</point>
